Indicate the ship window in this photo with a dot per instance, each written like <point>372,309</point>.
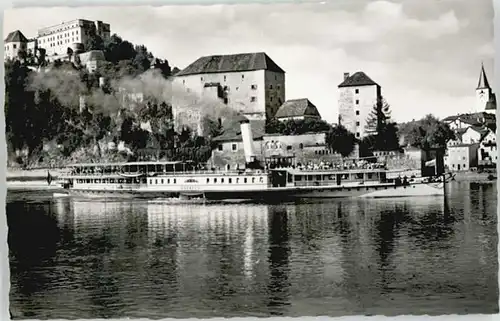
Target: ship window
<point>162,180</point>
<point>112,180</point>
<point>230,180</point>
<point>208,180</point>
<point>222,180</point>
<point>245,180</point>
<point>175,180</point>
<point>237,179</point>
<point>261,180</point>
<point>253,179</point>
<point>150,181</point>
<point>156,181</point>
<point>215,180</point>
<point>298,178</point>
<point>318,177</point>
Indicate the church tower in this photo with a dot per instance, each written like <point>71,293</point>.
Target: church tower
<point>484,94</point>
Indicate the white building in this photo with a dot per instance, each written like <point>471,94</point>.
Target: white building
<point>249,83</point>
<point>485,98</point>
<point>57,39</point>
<point>14,43</point>
<point>461,157</point>
<point>358,94</point>
<point>488,152</point>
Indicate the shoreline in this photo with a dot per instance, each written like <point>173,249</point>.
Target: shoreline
<point>474,177</point>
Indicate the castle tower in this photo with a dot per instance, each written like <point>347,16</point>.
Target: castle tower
<point>483,91</point>
<point>358,95</point>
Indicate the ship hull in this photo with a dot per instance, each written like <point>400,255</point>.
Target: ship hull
<point>277,193</point>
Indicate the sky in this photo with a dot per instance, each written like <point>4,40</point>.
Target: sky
<point>426,54</point>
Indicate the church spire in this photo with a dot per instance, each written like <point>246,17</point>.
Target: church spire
<point>483,81</point>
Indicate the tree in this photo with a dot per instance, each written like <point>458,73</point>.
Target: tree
<point>340,140</point>
<point>427,132</point>
<point>94,41</point>
<point>383,132</point>
<point>379,117</point>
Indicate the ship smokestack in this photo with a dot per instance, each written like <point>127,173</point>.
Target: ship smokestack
<point>247,138</point>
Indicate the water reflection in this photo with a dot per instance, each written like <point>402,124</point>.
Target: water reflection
<point>279,251</point>
<point>153,259</point>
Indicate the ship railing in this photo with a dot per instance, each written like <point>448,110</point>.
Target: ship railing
<point>193,172</point>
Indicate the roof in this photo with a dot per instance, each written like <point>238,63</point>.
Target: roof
<point>16,36</point>
<point>294,107</point>
<point>481,130</point>
<point>358,79</point>
<point>462,145</point>
<point>483,80</point>
<point>232,130</point>
<point>492,103</point>
<point>231,63</point>
<point>451,118</point>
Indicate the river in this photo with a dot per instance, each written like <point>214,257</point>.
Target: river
<point>76,258</point>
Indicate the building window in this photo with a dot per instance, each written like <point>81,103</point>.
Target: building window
<point>275,77</point>
<point>356,91</point>
<point>357,112</point>
<point>234,147</point>
<point>358,134</point>
<point>357,123</point>
<point>278,87</point>
<point>270,99</point>
<point>301,146</point>
<point>224,78</point>
<point>14,46</point>
<point>254,87</point>
<point>289,147</point>
<point>357,102</point>
<point>242,76</point>
<point>253,99</point>
<point>270,86</point>
<point>201,78</point>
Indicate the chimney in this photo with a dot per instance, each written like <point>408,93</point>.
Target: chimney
<point>101,82</point>
<point>346,75</point>
<point>247,138</point>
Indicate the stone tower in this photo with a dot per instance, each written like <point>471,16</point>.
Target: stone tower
<point>358,95</point>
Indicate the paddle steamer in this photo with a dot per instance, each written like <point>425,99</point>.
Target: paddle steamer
<point>279,179</point>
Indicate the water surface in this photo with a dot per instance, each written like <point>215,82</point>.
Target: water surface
<point>76,258</point>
